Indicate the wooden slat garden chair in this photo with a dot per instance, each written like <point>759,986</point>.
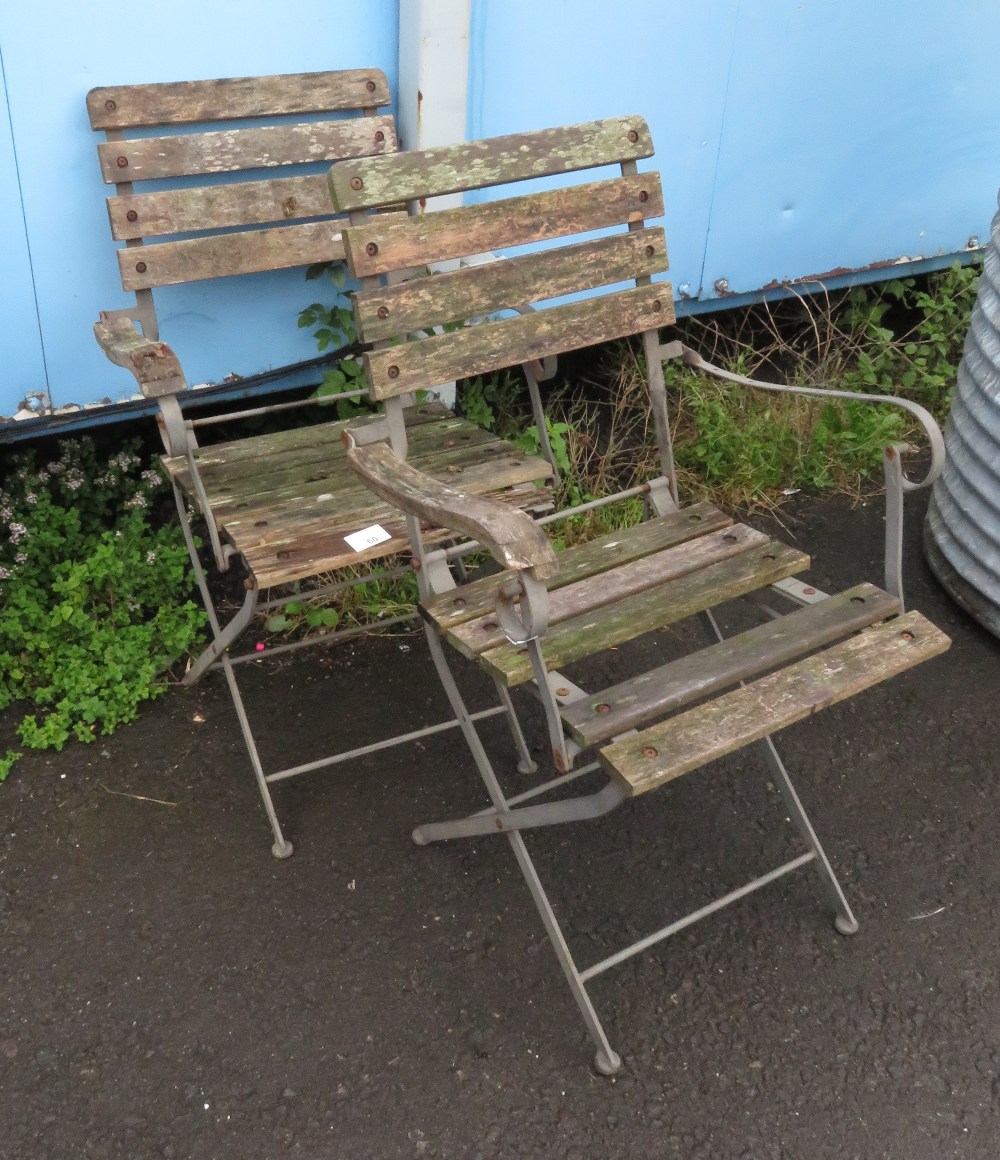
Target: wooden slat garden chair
<point>547,610</point>
<point>237,170</point>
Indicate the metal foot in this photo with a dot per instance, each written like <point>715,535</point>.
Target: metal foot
<point>282,849</point>
<point>607,1062</point>
<point>845,925</point>
<point>418,837</point>
<point>527,766</point>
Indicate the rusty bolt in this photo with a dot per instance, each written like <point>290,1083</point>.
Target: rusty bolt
<point>459,602</point>
<point>393,372</point>
<point>633,136</point>
<point>973,243</point>
<point>371,249</point>
<point>122,163</point>
<point>643,195</point>
<point>649,251</point>
<point>808,591</point>
<point>857,600</point>
<point>489,626</point>
<point>562,692</point>
<point>694,518</point>
<point>111,106</point>
<point>132,216</point>
<point>649,751</point>
<point>602,708</point>
<point>721,285</point>
<point>140,267</point>
<point>522,652</point>
<point>370,86</point>
<point>769,556</point>
<point>260,523</point>
<point>656,306</point>
<point>730,537</point>
<point>906,635</point>
<point>499,824</point>
<point>379,137</point>
<point>284,554</point>
<point>356,183</point>
<point>383,312</point>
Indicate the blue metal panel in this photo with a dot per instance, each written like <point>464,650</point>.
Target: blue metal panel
<point>20,339</point>
<point>54,53</point>
<point>854,133</point>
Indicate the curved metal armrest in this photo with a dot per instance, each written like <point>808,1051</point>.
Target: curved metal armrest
<point>923,417</point>
<point>511,536</point>
<point>156,368</point>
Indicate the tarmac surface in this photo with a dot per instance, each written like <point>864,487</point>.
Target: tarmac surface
<point>171,990</point>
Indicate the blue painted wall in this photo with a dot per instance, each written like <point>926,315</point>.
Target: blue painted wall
<point>53,53</point>
<point>796,137</point>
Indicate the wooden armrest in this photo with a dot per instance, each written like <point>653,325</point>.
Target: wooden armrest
<point>156,368</point>
<point>511,536</point>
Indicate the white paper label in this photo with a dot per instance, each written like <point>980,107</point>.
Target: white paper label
<point>368,537</point>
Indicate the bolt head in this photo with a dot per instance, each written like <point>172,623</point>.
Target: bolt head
<point>383,312</point>
<point>356,183</point>
<point>722,285</point>
<point>393,372</point>
<point>122,162</point>
<point>111,106</point>
<point>132,216</point>
<point>140,267</point>
<point>371,249</point>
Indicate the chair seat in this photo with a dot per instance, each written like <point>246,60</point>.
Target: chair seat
<point>287,501</point>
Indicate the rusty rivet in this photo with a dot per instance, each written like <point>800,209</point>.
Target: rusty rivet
<point>132,216</point>
<point>633,136</point>
<point>602,708</point>
<point>383,312</point>
<point>808,591</point>
<point>730,537</point>
<point>111,106</point>
<point>122,163</point>
<point>260,524</point>
<point>650,251</point>
<point>356,183</point>
<point>379,137</point>
<point>499,824</point>
<point>562,692</point>
<point>656,305</point>
<point>906,635</point>
<point>370,86</point>
<point>769,556</point>
<point>459,602</point>
<point>489,626</point>
<point>694,519</point>
<point>649,751</point>
<point>140,267</point>
<point>284,554</point>
<point>371,249</point>
<point>522,652</point>
<point>393,372</point>
<point>857,600</point>
<point>643,195</point>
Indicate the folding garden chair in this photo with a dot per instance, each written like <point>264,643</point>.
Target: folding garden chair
<point>547,610</point>
<point>283,504</point>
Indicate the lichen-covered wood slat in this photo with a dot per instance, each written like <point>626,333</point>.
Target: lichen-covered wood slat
<point>758,650</point>
<point>667,603</point>
<point>221,255</point>
<point>477,350</point>
<point>477,598</point>
<point>235,98</point>
<point>225,151</point>
<point>686,742</point>
<point>217,207</point>
<point>378,246</point>
<point>385,312</point>
<point>497,161</point>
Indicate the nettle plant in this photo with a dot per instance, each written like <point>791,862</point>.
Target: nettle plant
<point>93,594</point>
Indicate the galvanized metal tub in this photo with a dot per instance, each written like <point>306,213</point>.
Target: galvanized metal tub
<point>962,532</point>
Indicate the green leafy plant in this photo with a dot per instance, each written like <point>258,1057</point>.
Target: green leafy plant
<point>93,604</point>
<point>333,327</point>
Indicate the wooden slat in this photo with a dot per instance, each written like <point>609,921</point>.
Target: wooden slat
<point>493,161</point>
<point>386,312</point>
<point>227,151</point>
<point>582,560</point>
<point>640,700</point>
<point>656,607</point>
<point>219,255</point>
<point>494,225</point>
<point>234,98</point>
<point>586,596</point>
<point>216,207</point>
<point>684,743</point>
<point>477,350</point>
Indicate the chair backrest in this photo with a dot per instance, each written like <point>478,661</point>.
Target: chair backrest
<point>212,210</point>
<point>566,266</point>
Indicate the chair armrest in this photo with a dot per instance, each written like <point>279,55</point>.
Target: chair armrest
<point>156,368</point>
<point>511,536</point>
<point>923,417</point>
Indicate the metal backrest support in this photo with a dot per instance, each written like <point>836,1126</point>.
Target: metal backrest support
<point>210,168</point>
<point>567,266</point>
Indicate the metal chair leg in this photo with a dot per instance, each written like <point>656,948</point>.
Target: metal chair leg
<point>526,764</point>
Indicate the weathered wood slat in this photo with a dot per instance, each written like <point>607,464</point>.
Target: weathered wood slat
<point>586,596</point>
<point>385,312</point>
<point>640,700</point>
<point>322,548</point>
<point>686,742</point>
<point>494,161</point>
<point>216,207</point>
<point>511,221</point>
<point>477,350</point>
<point>665,604</point>
<point>226,151</point>
<point>234,98</point>
<point>511,537</point>
<point>221,255</point>
<point>478,598</point>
